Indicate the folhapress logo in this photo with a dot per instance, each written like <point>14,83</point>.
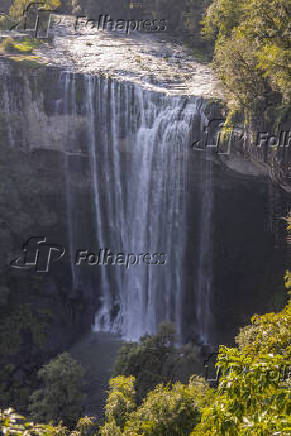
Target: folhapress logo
<point>36,20</point>
<point>38,255</point>
<point>217,136</point>
<point>105,22</point>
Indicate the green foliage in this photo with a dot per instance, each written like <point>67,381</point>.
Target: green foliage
<point>24,46</point>
<point>8,46</point>
<point>120,402</point>
<point>268,334</point>
<point>245,86</point>
<point>85,426</point>
<point>221,17</point>
<point>167,410</point>
<point>28,62</point>
<point>251,50</point>
<point>23,325</point>
<point>253,397</point>
<point>288,281</point>
<point>11,423</point>
<point>18,7</point>
<point>5,22</point>
<point>156,360</point>
<point>23,318</point>
<point>61,395</point>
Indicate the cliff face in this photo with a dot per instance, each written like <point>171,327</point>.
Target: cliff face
<point>92,163</point>
<point>41,313</point>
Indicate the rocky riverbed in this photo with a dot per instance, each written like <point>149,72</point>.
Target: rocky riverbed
<point>155,61</point>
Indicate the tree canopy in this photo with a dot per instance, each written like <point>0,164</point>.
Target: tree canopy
<point>61,394</point>
<point>252,50</point>
<point>252,398</point>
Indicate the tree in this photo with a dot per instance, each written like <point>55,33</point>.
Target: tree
<point>253,396</point>
<point>156,360</point>
<point>252,399</point>
<point>252,56</point>
<point>173,409</point>
<point>11,423</point>
<point>167,410</point>
<point>119,405</point>
<point>61,395</point>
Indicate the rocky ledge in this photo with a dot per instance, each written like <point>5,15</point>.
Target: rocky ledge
<point>154,61</point>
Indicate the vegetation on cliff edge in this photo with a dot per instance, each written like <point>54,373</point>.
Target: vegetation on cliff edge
<point>252,398</point>
<point>252,51</point>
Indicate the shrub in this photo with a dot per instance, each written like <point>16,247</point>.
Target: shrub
<point>156,360</point>
<point>253,396</point>
<point>61,395</point>
<point>25,46</point>
<point>167,410</point>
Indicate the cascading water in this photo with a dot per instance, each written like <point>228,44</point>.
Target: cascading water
<point>138,145</point>
<point>107,164</point>
<point>68,109</point>
<point>139,171</point>
<point>205,270</point>
<point>91,85</point>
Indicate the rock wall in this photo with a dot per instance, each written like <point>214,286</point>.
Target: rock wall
<point>73,146</point>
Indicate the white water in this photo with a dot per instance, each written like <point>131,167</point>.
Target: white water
<point>139,173</point>
<point>70,107</point>
<point>138,147</point>
<point>205,271</point>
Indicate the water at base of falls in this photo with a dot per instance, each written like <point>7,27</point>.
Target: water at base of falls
<point>138,147</point>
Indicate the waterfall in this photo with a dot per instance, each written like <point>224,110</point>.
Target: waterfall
<point>205,271</point>
<point>138,145</point>
<point>103,319</point>
<point>109,164</point>
<point>69,111</point>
